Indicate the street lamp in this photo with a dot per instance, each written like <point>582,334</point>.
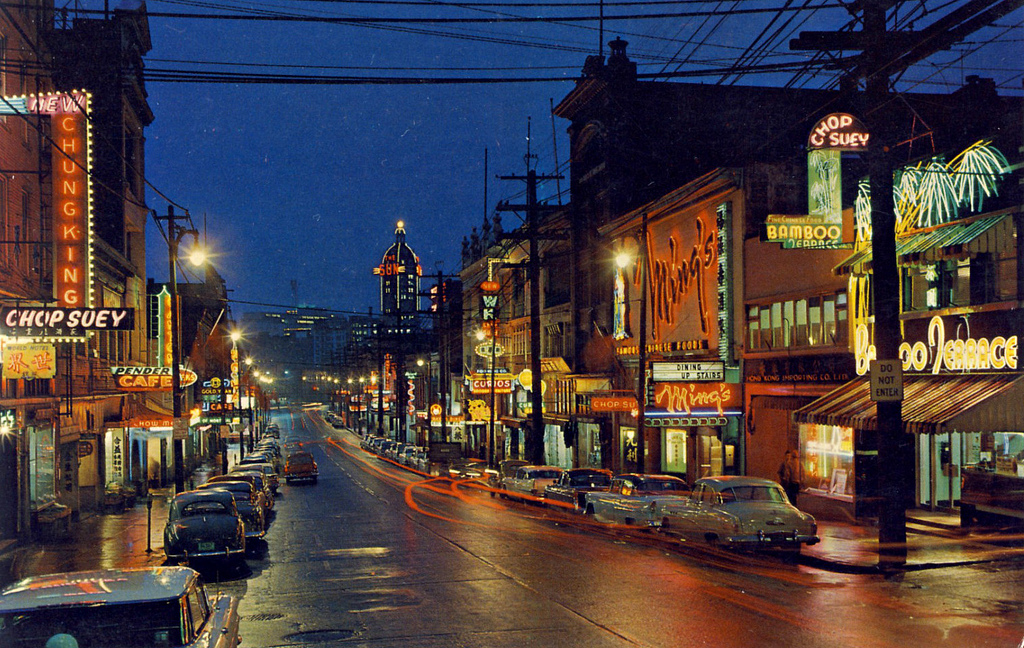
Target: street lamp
<point>623,261</point>
<point>175,233</point>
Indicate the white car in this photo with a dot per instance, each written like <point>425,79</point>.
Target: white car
<point>529,482</point>
<point>747,512</point>
<point>635,499</point>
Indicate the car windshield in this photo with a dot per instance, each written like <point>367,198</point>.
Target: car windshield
<point>754,494</point>
<point>590,479</point>
<point>100,626</point>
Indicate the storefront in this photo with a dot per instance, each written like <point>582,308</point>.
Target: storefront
<point>672,299</point>
<point>960,423</point>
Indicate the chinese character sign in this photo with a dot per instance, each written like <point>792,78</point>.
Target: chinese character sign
<point>29,361</point>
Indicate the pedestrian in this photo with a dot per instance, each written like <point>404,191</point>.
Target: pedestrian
<point>791,475</point>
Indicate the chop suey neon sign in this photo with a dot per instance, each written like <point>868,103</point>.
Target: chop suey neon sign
<point>941,354</point>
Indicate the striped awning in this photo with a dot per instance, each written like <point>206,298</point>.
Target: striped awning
<point>931,404</point>
<point>955,240</point>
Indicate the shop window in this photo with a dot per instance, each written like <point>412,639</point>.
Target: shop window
<point>674,454</point>
<point>814,335</point>
<point>800,317</point>
<point>777,337</point>
<point>827,454</point>
<point>41,466</point>
<point>753,327</point>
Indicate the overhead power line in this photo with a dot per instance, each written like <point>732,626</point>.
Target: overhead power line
<point>350,20</point>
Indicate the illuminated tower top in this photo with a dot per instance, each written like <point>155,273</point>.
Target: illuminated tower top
<point>400,273</point>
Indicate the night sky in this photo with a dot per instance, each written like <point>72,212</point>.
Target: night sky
<point>306,182</point>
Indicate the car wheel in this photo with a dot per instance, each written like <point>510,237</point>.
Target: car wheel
<point>314,480</point>
<point>590,510</point>
<point>630,522</point>
<point>967,513</point>
<point>712,539</point>
<point>664,523</point>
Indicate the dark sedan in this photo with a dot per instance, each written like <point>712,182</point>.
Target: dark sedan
<point>572,486</point>
<point>204,525</point>
<point>248,506</point>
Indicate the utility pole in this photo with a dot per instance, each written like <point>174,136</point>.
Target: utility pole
<point>442,364</point>
<point>534,210</point>
<point>885,53</point>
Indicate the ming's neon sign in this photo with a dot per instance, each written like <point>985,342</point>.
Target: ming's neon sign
<point>676,276</point>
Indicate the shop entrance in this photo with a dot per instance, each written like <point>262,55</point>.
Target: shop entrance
<point>939,461</point>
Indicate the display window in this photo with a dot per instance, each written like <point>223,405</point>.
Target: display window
<point>1000,452</point>
<point>41,466</point>
<point>827,456</point>
<point>674,453</point>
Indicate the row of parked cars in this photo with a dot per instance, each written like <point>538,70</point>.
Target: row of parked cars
<point>407,454</point>
<point>162,606</point>
<point>734,511</point>
<point>221,518</point>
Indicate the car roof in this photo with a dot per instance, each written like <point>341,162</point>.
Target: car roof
<point>105,586</point>
<point>531,467</point>
<point>589,471</point>
<point>183,499</point>
<point>728,481</point>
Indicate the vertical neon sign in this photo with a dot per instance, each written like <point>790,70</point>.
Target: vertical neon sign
<point>71,160</point>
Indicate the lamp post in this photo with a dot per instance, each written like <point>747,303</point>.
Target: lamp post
<point>641,393</point>
<point>175,233</point>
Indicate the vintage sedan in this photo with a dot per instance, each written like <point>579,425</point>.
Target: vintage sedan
<point>573,485</point>
<point>529,482</point>
<point>264,496</point>
<point>633,499</point>
<point>204,525</point>
<point>268,471</point>
<point>300,466</point>
<point>736,511</point>
<point>118,608</point>
<point>248,506</point>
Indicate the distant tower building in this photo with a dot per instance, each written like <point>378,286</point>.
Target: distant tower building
<point>400,273</point>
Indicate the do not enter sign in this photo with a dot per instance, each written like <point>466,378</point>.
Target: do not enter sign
<point>886,380</point>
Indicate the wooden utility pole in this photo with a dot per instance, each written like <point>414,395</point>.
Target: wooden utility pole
<point>534,211</point>
<point>885,53</point>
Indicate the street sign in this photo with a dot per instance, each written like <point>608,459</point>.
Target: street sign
<point>180,429</point>
<point>886,380</point>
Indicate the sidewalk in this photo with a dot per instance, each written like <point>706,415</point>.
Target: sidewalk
<point>934,539</point>
<point>98,541</point>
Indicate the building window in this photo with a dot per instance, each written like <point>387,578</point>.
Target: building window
<point>753,327</point>
<point>820,320</point>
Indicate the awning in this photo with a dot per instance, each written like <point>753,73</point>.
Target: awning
<point>931,404</point>
<point>956,240</point>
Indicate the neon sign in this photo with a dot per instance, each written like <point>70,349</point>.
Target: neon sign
<point>840,131</point>
<point>942,355</point>
<point>72,193</point>
<point>673,278</point>
<point>696,399</point>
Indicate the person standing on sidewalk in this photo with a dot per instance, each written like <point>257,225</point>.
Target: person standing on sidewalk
<point>791,475</point>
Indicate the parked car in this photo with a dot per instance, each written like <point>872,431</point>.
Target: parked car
<point>204,525</point>
<point>573,485</point>
<point>269,473</point>
<point>407,455</point>
<point>124,608</point>
<point>633,499</point>
<point>505,470</point>
<point>530,481</point>
<point>263,495</point>
<point>300,466</point>
<point>747,512</point>
<point>421,461</point>
<point>247,504</point>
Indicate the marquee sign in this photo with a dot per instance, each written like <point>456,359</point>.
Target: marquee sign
<point>943,354</point>
<point>42,321</point>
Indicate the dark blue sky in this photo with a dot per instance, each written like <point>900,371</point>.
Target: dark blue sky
<point>306,183</point>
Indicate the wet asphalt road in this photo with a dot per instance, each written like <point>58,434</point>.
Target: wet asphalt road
<point>374,555</point>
